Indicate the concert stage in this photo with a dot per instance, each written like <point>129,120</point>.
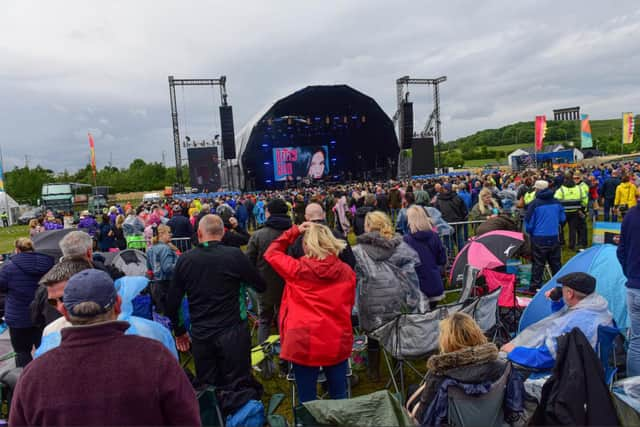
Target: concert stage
<point>318,134</point>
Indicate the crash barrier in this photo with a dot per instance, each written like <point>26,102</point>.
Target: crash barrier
<point>182,243</point>
<point>140,243</point>
<point>458,236</point>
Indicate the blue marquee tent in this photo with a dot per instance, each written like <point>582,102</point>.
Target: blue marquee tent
<point>601,262</point>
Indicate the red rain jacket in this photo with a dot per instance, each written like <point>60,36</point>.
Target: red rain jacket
<point>315,313</point>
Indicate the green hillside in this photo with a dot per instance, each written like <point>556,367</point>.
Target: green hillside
<point>491,146</point>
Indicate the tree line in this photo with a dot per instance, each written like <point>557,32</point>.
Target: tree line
<point>24,184</point>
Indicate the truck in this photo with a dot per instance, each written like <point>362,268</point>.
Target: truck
<point>99,200</point>
<point>58,197</point>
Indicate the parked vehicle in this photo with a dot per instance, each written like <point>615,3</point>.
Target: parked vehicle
<point>29,215</point>
<point>57,197</point>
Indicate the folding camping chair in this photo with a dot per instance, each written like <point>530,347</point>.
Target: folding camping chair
<point>410,337</point>
<point>606,350</point>
<point>508,299</point>
<point>322,379</point>
<point>481,410</point>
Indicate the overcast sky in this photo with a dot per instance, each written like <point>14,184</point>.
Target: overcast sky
<point>69,67</point>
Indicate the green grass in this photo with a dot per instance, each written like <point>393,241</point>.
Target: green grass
<point>8,236</point>
<point>280,385</point>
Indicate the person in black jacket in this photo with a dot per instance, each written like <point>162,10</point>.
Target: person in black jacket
<point>453,209</point>
<point>268,302</point>
<point>361,213</point>
<point>180,224</point>
<point>315,213</point>
<point>609,195</point>
<point>211,275</point>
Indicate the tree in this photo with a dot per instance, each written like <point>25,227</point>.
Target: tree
<point>453,159</point>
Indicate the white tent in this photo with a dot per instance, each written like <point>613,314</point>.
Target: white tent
<point>10,206</point>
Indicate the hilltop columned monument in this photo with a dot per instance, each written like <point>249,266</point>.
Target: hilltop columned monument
<point>571,113</point>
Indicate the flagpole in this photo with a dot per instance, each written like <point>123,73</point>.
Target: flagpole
<point>6,195</point>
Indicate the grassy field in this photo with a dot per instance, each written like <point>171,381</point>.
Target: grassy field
<point>9,235</point>
<point>281,385</point>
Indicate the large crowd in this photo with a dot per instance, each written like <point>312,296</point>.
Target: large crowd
<point>319,260</point>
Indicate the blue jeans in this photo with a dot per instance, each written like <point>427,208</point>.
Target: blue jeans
<point>307,381</point>
<point>633,355</point>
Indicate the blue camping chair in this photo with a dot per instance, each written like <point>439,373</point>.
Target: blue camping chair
<point>606,350</point>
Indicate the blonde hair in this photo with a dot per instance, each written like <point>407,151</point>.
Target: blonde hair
<point>483,208</point>
<point>380,222</point>
<point>319,242</point>
<point>459,331</point>
<point>33,223</point>
<point>119,221</point>
<point>24,244</point>
<point>162,228</point>
<point>418,219</point>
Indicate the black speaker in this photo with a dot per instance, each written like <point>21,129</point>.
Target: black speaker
<point>422,158</point>
<point>406,125</point>
<point>227,133</point>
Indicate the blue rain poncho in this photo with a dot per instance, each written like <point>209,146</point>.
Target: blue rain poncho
<point>128,288</point>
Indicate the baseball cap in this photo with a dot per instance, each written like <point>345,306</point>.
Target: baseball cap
<point>90,286</point>
<point>581,282</point>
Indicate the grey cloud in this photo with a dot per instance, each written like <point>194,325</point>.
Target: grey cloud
<point>100,68</point>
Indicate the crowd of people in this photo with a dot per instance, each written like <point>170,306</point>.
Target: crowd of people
<point>310,284</point>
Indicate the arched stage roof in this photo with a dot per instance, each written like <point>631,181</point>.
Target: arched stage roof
<point>359,135</point>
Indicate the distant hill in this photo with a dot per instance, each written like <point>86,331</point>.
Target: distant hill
<point>493,145</point>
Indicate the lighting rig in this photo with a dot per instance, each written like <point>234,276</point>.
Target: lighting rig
<point>433,125</point>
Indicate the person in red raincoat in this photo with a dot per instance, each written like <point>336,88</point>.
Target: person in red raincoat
<point>315,313</point>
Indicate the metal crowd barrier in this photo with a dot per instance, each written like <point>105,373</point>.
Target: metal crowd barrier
<point>182,243</point>
<point>140,243</point>
<point>455,241</point>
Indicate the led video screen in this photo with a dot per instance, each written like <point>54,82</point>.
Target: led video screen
<point>204,169</point>
<point>290,163</point>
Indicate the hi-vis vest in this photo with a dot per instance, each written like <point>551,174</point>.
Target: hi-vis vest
<point>573,194</point>
<point>529,197</point>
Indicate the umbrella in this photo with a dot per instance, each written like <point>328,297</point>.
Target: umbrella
<point>48,242</point>
<point>489,250</point>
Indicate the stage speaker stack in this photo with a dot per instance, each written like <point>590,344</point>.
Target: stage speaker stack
<point>406,125</point>
<point>422,159</point>
<point>227,132</point>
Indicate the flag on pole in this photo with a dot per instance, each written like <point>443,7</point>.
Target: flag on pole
<point>627,128</point>
<point>1,178</point>
<point>541,131</point>
<point>92,148</point>
<point>587,141</point>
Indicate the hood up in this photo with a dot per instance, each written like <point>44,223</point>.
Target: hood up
<point>330,269</point>
<point>377,247</point>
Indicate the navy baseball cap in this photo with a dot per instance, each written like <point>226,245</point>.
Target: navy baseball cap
<point>90,286</point>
